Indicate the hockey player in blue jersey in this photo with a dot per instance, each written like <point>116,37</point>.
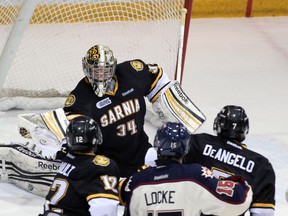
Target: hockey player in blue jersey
<point>181,189</point>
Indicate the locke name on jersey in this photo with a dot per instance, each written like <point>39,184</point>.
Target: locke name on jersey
<point>158,197</point>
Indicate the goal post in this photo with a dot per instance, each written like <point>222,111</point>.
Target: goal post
<point>15,36</point>
<point>42,43</point>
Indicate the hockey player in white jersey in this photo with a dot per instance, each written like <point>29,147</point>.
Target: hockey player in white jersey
<point>181,189</point>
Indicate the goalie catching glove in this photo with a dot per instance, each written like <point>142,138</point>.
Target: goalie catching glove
<point>45,131</point>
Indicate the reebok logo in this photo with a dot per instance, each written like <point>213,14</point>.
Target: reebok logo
<point>127,92</point>
<point>47,166</point>
<point>103,103</point>
<point>161,177</point>
<point>180,93</point>
<point>26,151</point>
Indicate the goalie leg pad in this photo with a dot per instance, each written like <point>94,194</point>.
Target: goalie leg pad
<point>26,170</point>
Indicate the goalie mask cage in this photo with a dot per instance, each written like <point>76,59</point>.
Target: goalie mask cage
<point>42,42</point>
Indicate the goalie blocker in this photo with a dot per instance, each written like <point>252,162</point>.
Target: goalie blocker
<point>173,104</point>
<point>25,169</point>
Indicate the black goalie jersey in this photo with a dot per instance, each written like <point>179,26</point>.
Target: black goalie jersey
<point>82,178</point>
<point>227,158</point>
<point>120,113</point>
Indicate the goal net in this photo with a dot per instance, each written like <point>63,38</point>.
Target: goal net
<point>42,43</point>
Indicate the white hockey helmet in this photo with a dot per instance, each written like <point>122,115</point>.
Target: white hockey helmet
<point>99,66</point>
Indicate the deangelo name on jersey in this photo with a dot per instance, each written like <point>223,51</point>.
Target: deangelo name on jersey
<point>229,158</point>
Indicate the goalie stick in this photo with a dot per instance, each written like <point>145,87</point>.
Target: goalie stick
<point>180,48</point>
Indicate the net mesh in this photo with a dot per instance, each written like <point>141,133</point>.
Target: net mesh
<point>48,59</point>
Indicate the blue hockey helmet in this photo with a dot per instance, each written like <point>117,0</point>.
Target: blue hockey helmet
<point>172,139</point>
<point>83,133</point>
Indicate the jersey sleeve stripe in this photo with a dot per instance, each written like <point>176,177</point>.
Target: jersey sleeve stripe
<point>263,205</point>
<point>120,189</point>
<point>156,96</point>
<point>156,80</point>
<point>102,195</point>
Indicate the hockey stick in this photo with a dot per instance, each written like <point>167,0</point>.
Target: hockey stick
<point>181,41</point>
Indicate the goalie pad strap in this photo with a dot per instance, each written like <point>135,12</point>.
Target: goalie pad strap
<point>181,107</point>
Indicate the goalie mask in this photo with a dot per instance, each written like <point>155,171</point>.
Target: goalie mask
<point>172,139</point>
<point>99,66</point>
<point>232,123</point>
<point>83,133</point>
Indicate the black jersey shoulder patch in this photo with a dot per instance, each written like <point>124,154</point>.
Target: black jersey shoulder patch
<point>70,100</point>
<point>137,65</point>
<point>101,160</point>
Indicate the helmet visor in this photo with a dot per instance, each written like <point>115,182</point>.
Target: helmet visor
<point>101,73</point>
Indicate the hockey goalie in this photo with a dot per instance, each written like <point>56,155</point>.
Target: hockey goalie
<point>32,165</point>
<point>115,95</point>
